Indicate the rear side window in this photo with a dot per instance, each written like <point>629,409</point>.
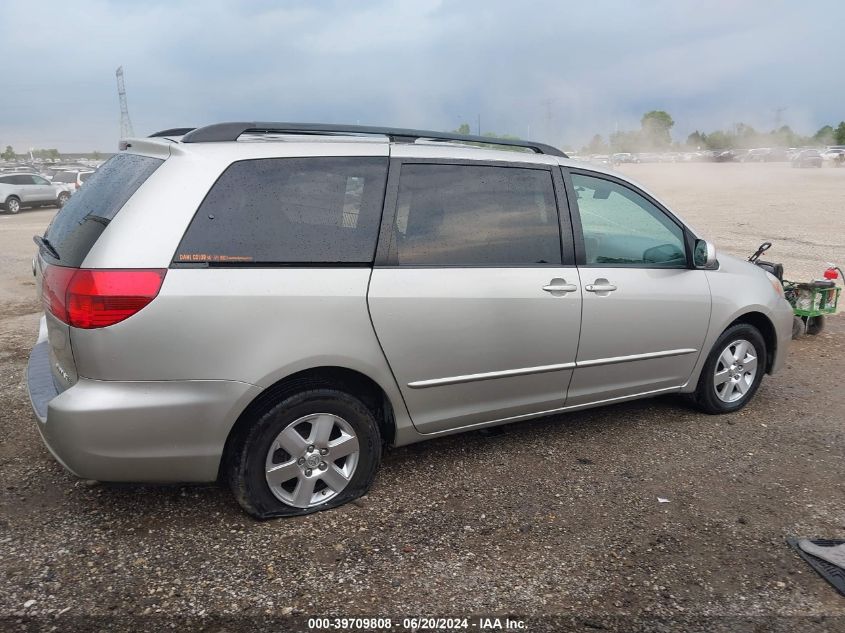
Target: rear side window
<point>289,211</point>
<point>80,222</point>
<point>473,215</point>
<point>65,176</point>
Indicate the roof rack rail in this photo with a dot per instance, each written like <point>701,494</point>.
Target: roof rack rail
<point>174,131</point>
<point>220,132</point>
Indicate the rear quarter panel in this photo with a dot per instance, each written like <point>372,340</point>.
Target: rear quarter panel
<point>249,325</point>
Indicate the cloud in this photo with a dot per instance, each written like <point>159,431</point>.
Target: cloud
<point>563,70</point>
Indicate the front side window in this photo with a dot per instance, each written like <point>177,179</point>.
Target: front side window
<point>622,228</point>
<point>38,180</point>
<point>474,215</point>
<point>289,211</point>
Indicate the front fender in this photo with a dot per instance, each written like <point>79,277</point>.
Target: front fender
<point>742,291</point>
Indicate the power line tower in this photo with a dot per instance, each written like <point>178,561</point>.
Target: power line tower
<point>125,122</point>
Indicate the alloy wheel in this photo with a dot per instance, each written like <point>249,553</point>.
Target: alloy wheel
<point>735,371</point>
<point>312,460</point>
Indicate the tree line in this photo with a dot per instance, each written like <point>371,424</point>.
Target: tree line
<point>51,154</point>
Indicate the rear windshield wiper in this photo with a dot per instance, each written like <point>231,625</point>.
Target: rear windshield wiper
<point>44,243</point>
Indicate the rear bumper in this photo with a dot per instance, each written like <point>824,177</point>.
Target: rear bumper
<point>151,431</point>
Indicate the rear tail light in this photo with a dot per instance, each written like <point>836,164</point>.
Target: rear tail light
<point>88,299</point>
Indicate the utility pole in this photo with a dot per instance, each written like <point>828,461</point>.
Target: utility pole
<point>126,130</point>
<point>478,129</point>
<point>778,113</point>
<point>548,103</point>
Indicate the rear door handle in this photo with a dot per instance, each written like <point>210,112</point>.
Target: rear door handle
<point>558,287</point>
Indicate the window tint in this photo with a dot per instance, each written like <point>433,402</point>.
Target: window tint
<point>290,210</point>
<point>621,227</point>
<point>65,176</point>
<point>5,180</point>
<point>465,215</point>
<point>79,223</point>
<point>85,176</point>
<point>22,180</point>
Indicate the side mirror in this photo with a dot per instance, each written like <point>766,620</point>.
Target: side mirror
<point>704,255</point>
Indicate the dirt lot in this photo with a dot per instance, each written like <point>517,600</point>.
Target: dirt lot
<point>556,517</point>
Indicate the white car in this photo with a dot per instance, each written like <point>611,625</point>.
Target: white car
<point>30,190</point>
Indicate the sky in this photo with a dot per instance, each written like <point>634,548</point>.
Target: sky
<point>557,71</point>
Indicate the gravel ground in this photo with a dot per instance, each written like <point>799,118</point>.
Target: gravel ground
<point>557,517</point>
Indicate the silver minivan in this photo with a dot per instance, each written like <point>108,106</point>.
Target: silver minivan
<point>271,304</point>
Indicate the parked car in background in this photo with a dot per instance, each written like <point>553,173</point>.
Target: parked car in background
<point>670,157</point>
<point>623,157</point>
<point>75,178</point>
<point>18,190</point>
<point>333,310</point>
<point>836,157</point>
<point>648,157</point>
<point>777,155</point>
<point>807,158</point>
<point>725,156</point>
<point>756,155</point>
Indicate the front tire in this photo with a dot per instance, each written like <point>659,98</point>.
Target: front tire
<point>62,199</point>
<point>733,371</point>
<point>13,205</point>
<point>311,451</point>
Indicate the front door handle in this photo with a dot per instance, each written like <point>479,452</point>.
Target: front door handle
<point>601,287</point>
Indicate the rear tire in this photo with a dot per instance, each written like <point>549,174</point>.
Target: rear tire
<point>281,443</point>
<point>733,370</point>
<point>12,205</point>
<point>815,325</point>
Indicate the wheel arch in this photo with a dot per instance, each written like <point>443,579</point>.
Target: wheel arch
<point>351,381</point>
<point>766,328</point>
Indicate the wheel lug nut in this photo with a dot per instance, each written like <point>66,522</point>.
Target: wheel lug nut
<point>323,465</point>
<point>307,472</point>
<point>300,461</point>
<point>324,451</point>
<point>310,448</point>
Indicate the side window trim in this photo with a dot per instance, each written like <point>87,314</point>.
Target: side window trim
<point>386,251</point>
<point>577,229</point>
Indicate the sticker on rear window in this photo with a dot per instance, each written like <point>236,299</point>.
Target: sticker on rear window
<point>206,257</point>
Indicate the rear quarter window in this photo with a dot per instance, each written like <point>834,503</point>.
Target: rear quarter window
<point>78,225</point>
<point>312,210</point>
